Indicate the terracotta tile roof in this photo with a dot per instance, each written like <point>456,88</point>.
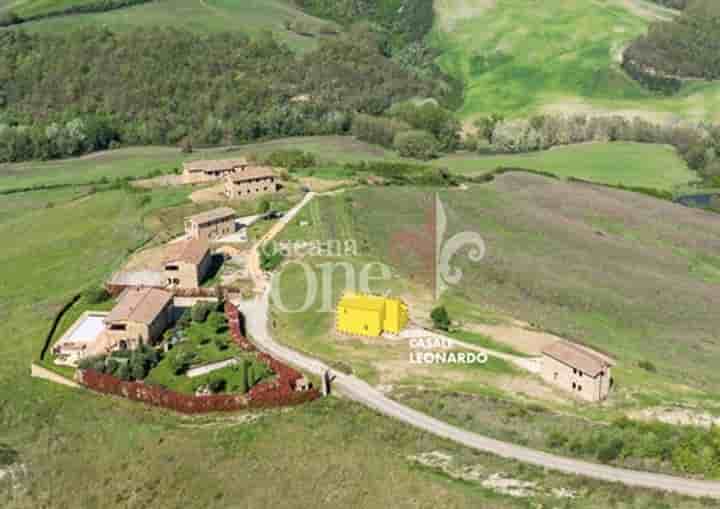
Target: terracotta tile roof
<point>189,251</point>
<point>252,173</point>
<point>212,215</point>
<point>214,164</point>
<point>140,305</point>
<point>577,356</point>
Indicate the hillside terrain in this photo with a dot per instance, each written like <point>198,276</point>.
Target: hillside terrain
<point>517,59</point>
<point>378,106</point>
<point>85,450</point>
<point>629,274</point>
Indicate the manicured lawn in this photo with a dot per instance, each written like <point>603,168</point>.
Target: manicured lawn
<point>630,164</point>
<point>521,56</point>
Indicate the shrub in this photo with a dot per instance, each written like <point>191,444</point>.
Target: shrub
<point>9,18</point>
<point>556,440</point>
<point>182,362</point>
<point>217,385</point>
<point>263,206</point>
<point>200,311</point>
<point>96,295</point>
<point>270,257</point>
<point>376,130</point>
<point>222,343</point>
<point>291,159</point>
<point>647,366</point>
<point>611,450</point>
<point>416,144</point>
<point>440,318</point>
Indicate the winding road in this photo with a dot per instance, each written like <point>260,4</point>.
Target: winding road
<point>256,315</point>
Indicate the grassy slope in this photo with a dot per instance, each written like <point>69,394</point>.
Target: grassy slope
<point>521,57</point>
<point>626,163</point>
<point>205,16</point>
<point>631,164</point>
<point>85,450</point>
<point>627,273</point>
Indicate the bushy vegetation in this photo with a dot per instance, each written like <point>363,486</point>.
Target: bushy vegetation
<point>291,159</point>
<point>126,365</point>
<point>699,146</point>
<point>167,86</point>
<point>401,173</point>
<point>270,257</point>
<point>690,450</point>
<point>686,47</point>
<point>440,318</point>
<point>416,144</point>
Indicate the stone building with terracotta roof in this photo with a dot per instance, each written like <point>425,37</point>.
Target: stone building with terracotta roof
<point>141,315</point>
<point>250,182</point>
<point>211,225</point>
<point>578,369</point>
<point>199,172</point>
<point>186,263</point>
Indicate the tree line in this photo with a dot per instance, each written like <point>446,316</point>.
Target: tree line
<point>686,47</point>
<point>699,145</point>
<point>165,85</point>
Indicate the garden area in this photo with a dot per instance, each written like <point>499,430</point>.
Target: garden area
<point>200,338</point>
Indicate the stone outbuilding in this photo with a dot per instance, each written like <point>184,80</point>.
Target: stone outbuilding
<point>200,172</point>
<point>578,369</point>
<point>250,182</point>
<point>141,315</point>
<point>186,263</point>
<point>211,225</point>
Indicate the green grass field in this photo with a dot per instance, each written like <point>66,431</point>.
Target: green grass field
<point>624,272</point>
<point>630,164</point>
<point>80,449</point>
<point>519,57</point>
<point>205,16</point>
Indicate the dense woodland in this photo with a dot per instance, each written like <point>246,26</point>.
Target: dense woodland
<point>161,86</point>
<point>687,47</point>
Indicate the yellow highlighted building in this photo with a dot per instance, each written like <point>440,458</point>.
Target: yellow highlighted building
<point>370,315</point>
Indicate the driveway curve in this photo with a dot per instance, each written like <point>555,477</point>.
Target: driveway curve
<point>257,311</point>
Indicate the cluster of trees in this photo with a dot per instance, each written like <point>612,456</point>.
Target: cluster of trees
<point>291,159</point>
<point>686,47</point>
<point>125,365</point>
<point>57,139</point>
<point>164,86</point>
<point>401,28</point>
<point>698,145</point>
<point>404,21</point>
<point>690,450</point>
<point>418,131</point>
<point>401,173</point>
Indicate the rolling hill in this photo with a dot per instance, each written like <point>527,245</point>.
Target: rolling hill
<point>519,57</point>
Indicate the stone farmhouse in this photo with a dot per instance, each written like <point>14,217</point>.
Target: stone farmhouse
<point>250,182</point>
<point>211,225</point>
<point>186,263</point>
<point>577,369</point>
<point>199,172</point>
<point>141,315</point>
